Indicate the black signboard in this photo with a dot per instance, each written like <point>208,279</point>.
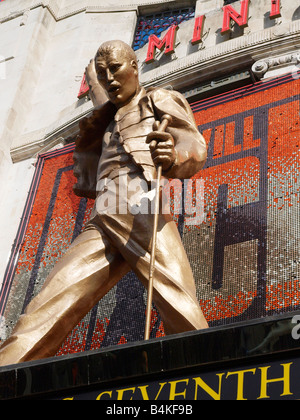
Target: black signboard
<point>257,360</point>
<point>274,381</point>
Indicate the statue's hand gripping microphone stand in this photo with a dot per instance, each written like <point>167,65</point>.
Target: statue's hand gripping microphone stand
<point>166,120</point>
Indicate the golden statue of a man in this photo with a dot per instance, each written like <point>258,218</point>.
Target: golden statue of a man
<point>115,147</point>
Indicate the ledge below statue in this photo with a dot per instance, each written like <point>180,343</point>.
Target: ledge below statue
<point>209,364</point>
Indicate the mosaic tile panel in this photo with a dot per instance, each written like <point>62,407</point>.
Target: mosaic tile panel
<point>251,258</point>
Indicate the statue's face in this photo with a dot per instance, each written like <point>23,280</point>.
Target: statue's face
<point>118,74</point>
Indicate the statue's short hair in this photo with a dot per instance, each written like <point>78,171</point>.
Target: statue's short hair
<point>107,47</point>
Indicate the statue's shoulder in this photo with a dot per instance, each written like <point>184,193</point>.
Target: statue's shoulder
<point>171,102</point>
<point>164,95</point>
<point>158,92</point>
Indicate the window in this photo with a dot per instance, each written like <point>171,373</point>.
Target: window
<point>157,23</point>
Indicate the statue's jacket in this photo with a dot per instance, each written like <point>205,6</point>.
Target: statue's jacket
<point>133,123</point>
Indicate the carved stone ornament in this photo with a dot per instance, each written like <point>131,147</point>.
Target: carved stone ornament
<point>260,68</point>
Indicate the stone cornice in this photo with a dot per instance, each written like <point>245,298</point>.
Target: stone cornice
<point>87,6</point>
<point>30,144</point>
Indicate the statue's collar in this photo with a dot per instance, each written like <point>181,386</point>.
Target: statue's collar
<point>129,107</point>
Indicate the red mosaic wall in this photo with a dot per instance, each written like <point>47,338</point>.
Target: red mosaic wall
<point>253,144</point>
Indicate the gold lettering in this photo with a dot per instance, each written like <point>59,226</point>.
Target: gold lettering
<point>200,383</point>
<point>105,392</point>
<point>69,399</point>
<point>120,393</point>
<point>173,392</point>
<point>144,391</point>
<point>240,385</point>
<point>285,379</point>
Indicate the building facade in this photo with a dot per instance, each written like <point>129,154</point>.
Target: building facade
<point>237,63</point>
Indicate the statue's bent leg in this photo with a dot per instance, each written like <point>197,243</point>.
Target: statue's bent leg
<point>88,270</point>
<point>174,285</point>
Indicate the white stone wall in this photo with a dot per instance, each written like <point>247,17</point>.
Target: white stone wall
<point>45,46</point>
